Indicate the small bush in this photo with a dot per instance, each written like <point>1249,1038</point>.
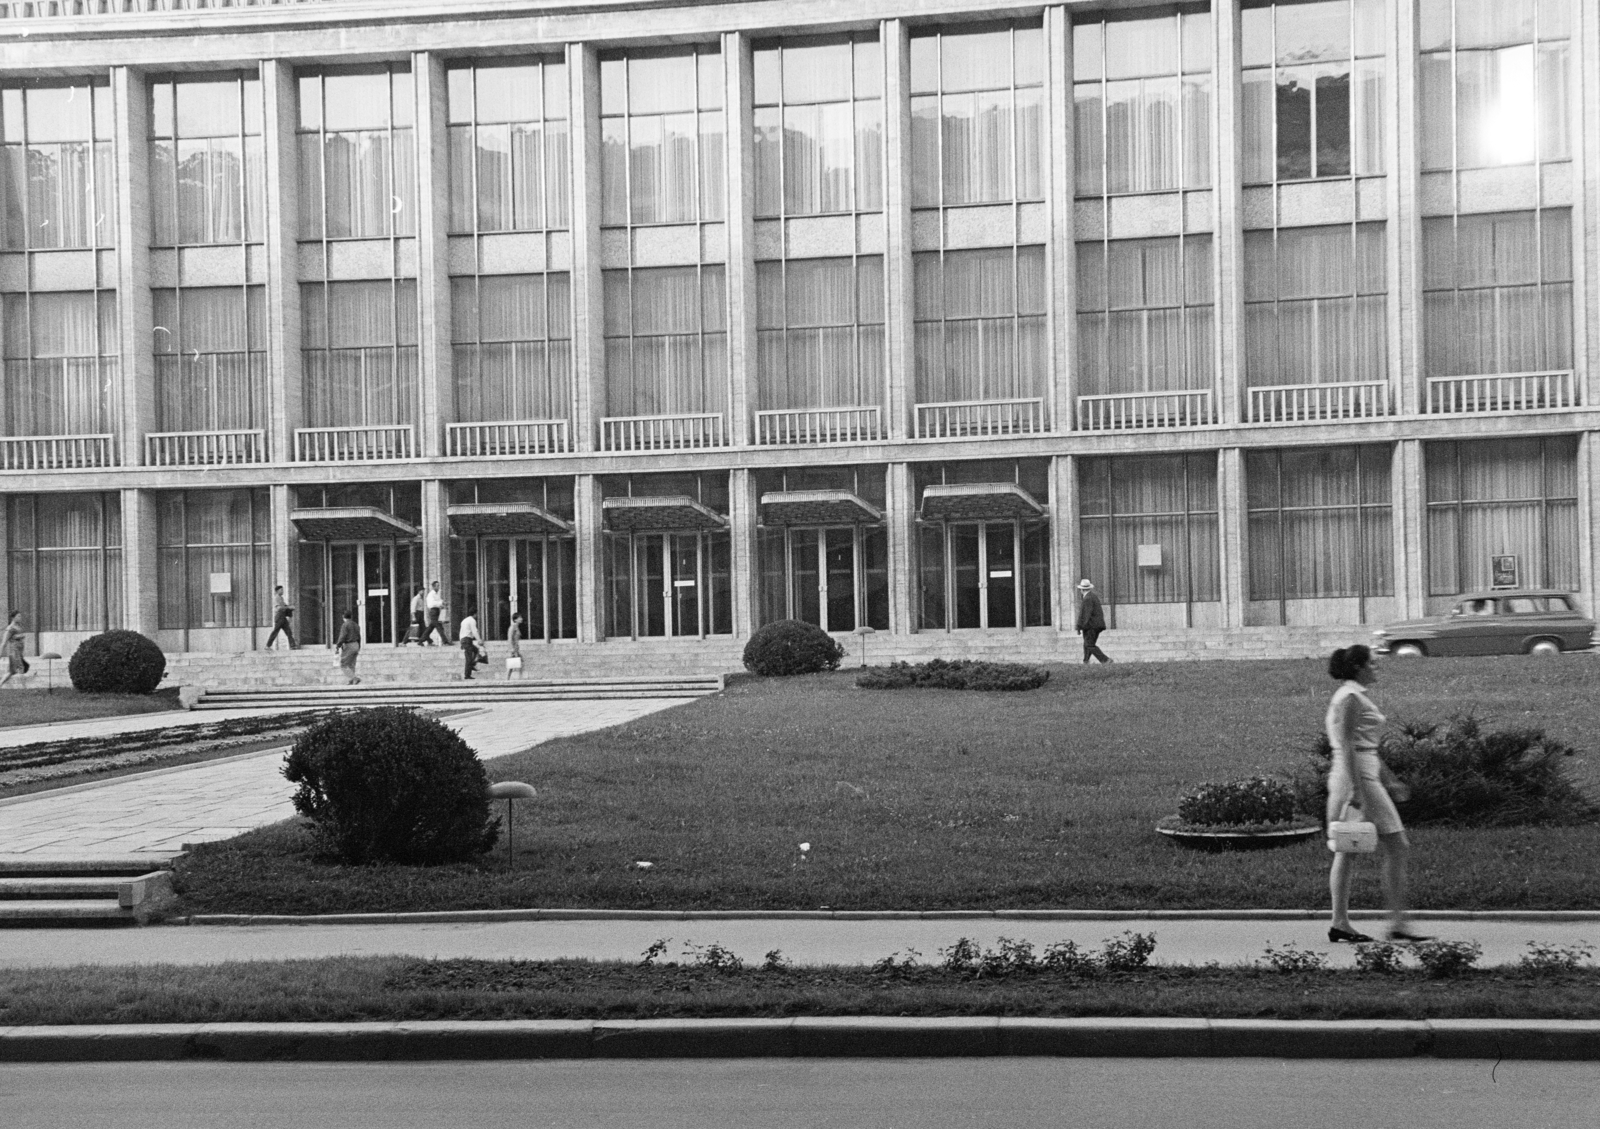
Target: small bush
<point>1461,776</point>
<point>1292,958</point>
<point>390,785</point>
<point>117,662</point>
<point>1444,959</point>
<point>1546,960</point>
<point>1378,956</point>
<point>1065,956</point>
<point>1127,953</point>
<point>1256,800</point>
<point>791,646</point>
<point>957,674</point>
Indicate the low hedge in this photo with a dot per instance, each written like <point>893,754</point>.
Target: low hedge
<point>955,674</point>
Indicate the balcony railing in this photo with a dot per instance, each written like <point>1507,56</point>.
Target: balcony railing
<point>661,433</point>
<point>204,448</point>
<point>353,444</point>
<point>505,438</point>
<point>66,9</point>
<point>1146,411</point>
<point>1506,392</point>
<point>819,425</point>
<point>56,452</point>
<point>969,419</point>
<point>1288,403</point>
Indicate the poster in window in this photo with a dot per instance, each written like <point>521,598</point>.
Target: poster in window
<point>1504,571</point>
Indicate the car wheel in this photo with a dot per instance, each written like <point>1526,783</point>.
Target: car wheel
<point>1545,647</point>
<point>1409,650</point>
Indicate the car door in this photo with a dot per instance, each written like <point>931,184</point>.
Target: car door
<point>1520,617</point>
<point>1463,632</point>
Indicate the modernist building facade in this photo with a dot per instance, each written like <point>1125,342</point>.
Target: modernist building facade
<point>666,320</point>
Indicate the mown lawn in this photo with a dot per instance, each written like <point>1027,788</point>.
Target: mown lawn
<point>349,989</point>
<point>38,706</point>
<point>947,800</point>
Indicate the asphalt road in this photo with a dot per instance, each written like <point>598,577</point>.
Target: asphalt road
<point>857,1094</point>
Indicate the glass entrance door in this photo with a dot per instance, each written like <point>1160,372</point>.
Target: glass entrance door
<point>669,584</point>
<point>983,574</point>
<point>375,578</point>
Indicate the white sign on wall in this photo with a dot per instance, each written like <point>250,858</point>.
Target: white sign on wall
<point>1149,556</point>
<point>222,583</point>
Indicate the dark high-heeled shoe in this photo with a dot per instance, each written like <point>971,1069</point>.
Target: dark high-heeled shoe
<point>1347,936</point>
<point>1406,937</point>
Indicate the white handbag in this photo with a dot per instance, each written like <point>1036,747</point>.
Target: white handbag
<point>1352,836</point>
<point>513,663</point>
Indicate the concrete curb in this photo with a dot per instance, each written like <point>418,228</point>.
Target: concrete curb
<point>456,917</point>
<point>805,1037</point>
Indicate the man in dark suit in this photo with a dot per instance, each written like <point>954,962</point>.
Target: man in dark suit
<point>1091,621</point>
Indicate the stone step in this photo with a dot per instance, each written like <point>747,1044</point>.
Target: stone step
<point>31,889</point>
<point>75,894</point>
<point>64,912</point>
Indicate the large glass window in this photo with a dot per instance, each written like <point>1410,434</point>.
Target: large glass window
<point>61,363</point>
<point>673,581</point>
<point>535,575</point>
<point>66,560</point>
<point>666,332</point>
<point>1147,528</point>
<point>57,172</point>
<point>513,346</point>
<point>1502,497</point>
<point>1320,523</point>
<point>211,363</point>
<point>1495,84</point>
<point>1314,88</point>
<point>360,352</point>
<point>819,332</point>
<point>510,163</point>
<point>977,117</point>
<point>215,558</point>
<point>662,132</point>
<point>833,575</point>
<point>1142,87</point>
<point>1314,305</point>
<point>358,169</point>
<point>819,127</point>
<point>980,324</point>
<point>1497,292</point>
<point>1145,315</point>
<point>207,176</point>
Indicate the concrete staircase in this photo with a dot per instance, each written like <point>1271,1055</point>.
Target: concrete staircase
<point>444,693</point>
<point>78,893</point>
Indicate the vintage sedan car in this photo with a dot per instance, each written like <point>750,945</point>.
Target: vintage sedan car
<point>1533,621</point>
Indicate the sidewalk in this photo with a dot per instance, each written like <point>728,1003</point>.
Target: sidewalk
<point>153,814</point>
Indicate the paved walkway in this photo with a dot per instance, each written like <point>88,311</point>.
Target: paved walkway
<point>154,814</point>
<point>111,726</point>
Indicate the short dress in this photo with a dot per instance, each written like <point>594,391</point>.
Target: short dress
<point>12,648</point>
<point>1380,809</point>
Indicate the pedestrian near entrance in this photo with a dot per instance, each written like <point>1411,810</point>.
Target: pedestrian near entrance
<point>419,617</point>
<point>282,612</point>
<point>1358,779</point>
<point>514,638</point>
<point>1091,621</point>
<point>471,655</point>
<point>349,645</point>
<point>11,647</point>
<point>434,602</point>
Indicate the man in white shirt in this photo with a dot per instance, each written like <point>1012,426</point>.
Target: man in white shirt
<point>470,641</point>
<point>435,606</point>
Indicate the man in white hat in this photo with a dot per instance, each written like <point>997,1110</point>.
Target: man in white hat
<point>1091,621</point>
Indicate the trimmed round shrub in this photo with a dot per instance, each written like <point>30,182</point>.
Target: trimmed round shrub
<point>390,785</point>
<point>791,646</point>
<point>117,662</point>
<point>1256,800</point>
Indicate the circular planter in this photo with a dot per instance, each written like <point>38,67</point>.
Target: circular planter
<point>1238,840</point>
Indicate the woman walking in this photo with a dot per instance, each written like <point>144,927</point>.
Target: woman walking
<point>1360,780</point>
<point>349,645</point>
<point>514,637</point>
<point>11,645</point>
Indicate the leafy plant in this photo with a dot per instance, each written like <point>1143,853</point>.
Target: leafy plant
<point>1129,952</point>
<point>117,662</point>
<point>1444,959</point>
<point>791,646</point>
<point>1545,960</point>
<point>714,957</point>
<point>1292,958</point>
<point>1378,956</point>
<point>654,952</point>
<point>1065,956</point>
<point>775,961</point>
<point>955,674</point>
<point>390,785</point>
<point>1253,800</point>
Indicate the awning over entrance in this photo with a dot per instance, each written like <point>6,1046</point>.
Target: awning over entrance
<point>817,507</point>
<point>979,501</point>
<point>504,519</point>
<point>654,515</point>
<point>351,523</point>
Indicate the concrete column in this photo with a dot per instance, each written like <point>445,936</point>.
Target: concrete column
<point>1586,538</point>
<point>588,315</point>
<point>899,331</point>
<point>1408,485</point>
<point>1060,251</point>
<point>1404,243</point>
<point>742,513</point>
<point>1228,212</point>
<point>741,196</point>
<point>901,515</point>
<point>1583,96</point>
<point>140,609</point>
<point>436,542</point>
<point>131,98</point>
<point>1231,518</point>
<point>588,518</point>
<point>1065,568</point>
<point>436,399</point>
<point>285,548</point>
<point>285,390</point>
<point>5,557</point>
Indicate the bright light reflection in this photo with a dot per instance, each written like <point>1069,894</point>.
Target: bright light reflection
<point>1511,119</point>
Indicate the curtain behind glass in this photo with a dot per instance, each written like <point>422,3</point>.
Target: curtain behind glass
<point>1314,305</point>
<point>73,575</point>
<point>819,333</point>
<point>1145,315</point>
<point>980,324</point>
<point>666,341</point>
<point>211,369</point>
<point>60,363</point>
<point>512,345</point>
<point>360,359</point>
<point>1166,500</point>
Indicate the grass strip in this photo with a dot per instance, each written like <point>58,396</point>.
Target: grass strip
<point>36,706</point>
<point>349,989</point>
